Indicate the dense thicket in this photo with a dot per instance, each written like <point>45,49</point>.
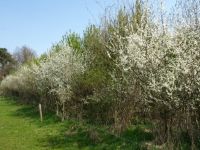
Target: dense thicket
<point>136,65</point>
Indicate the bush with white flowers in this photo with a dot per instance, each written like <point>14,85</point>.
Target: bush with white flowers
<point>152,72</point>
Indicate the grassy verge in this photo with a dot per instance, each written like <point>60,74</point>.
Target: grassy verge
<point>21,129</point>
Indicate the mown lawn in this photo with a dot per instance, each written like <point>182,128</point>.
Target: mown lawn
<point>21,129</point>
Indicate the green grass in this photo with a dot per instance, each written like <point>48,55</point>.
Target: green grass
<point>21,129</point>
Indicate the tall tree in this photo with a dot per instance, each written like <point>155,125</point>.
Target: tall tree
<point>24,55</point>
<point>6,62</point>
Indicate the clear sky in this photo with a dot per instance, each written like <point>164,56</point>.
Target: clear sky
<point>40,23</point>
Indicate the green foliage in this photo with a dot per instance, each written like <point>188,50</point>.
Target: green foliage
<point>130,66</point>
<point>6,63</point>
<point>5,56</point>
<point>75,42</point>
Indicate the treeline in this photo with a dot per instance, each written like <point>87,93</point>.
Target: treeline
<point>10,62</point>
<point>137,65</point>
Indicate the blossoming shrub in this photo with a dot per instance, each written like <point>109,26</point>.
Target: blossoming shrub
<point>54,76</point>
<point>132,67</point>
<point>166,66</point>
<point>50,79</point>
<point>20,84</point>
<point>158,75</point>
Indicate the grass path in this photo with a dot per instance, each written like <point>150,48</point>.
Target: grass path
<point>21,129</point>
<point>18,131</point>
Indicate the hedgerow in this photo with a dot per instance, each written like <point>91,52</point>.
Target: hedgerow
<point>131,66</point>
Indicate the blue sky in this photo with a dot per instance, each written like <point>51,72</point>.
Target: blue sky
<point>40,23</point>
